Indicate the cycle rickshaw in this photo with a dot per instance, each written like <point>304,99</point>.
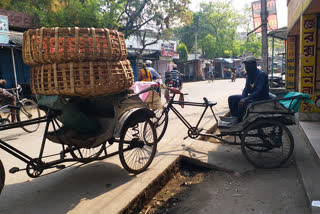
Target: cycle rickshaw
<point>128,124</point>
<point>265,139</point>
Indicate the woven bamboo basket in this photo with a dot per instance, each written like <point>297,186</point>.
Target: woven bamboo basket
<point>82,78</point>
<point>57,45</point>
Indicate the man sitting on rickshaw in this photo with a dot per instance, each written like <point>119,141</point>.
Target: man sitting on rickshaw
<point>256,89</point>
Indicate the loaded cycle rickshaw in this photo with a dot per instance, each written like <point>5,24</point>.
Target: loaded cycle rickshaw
<point>82,78</point>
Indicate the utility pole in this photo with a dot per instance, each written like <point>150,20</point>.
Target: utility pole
<point>264,26</point>
<point>196,37</point>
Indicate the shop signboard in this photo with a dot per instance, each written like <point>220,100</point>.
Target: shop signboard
<point>4,30</point>
<point>308,28</point>
<point>291,62</point>
<point>272,15</point>
<point>167,49</point>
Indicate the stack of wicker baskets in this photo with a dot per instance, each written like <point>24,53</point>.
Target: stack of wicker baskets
<point>77,61</point>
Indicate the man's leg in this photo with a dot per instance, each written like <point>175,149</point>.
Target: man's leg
<point>242,110</point>
<point>233,104</point>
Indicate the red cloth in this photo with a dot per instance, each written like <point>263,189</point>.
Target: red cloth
<point>177,91</point>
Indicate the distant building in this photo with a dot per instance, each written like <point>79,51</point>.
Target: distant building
<point>10,43</point>
<point>161,53</point>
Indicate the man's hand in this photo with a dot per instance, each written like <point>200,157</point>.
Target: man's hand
<point>242,102</point>
<point>3,82</point>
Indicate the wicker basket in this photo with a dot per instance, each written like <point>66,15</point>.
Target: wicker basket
<point>82,78</point>
<point>57,45</point>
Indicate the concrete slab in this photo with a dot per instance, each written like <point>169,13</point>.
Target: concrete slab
<point>311,130</point>
<point>308,166</point>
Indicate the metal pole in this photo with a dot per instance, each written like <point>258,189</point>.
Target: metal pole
<point>264,23</point>
<point>271,84</point>
<point>14,71</point>
<point>196,38</point>
<point>285,67</point>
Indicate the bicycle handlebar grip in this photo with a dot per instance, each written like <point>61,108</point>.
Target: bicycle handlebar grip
<point>206,100</point>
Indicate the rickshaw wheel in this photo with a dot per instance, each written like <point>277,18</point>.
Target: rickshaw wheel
<point>2,176</point>
<point>29,110</point>
<point>138,145</point>
<point>88,154</point>
<point>267,144</point>
<point>160,122</point>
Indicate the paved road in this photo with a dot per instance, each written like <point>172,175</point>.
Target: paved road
<point>102,186</point>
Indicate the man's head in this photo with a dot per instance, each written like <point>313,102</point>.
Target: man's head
<point>148,62</point>
<point>250,64</point>
<point>175,66</point>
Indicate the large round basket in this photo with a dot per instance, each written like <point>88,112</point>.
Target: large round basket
<point>82,78</point>
<point>56,45</point>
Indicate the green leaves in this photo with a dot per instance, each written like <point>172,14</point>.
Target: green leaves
<point>183,52</point>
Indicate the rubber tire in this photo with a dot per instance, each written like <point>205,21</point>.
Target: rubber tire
<point>121,143</point>
<point>165,126</point>
<point>2,176</point>
<point>92,157</point>
<point>260,123</point>
<point>20,111</point>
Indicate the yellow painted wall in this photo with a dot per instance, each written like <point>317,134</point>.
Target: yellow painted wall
<point>308,49</point>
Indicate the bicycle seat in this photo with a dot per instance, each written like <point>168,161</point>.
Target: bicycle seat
<point>209,103</point>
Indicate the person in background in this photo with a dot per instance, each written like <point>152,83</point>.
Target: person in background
<point>6,98</point>
<point>256,89</point>
<point>175,74</point>
<point>144,74</point>
<point>154,73</point>
<point>210,72</point>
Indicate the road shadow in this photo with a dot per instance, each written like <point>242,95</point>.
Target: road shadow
<point>64,190</point>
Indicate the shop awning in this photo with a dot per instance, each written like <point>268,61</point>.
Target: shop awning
<point>279,33</point>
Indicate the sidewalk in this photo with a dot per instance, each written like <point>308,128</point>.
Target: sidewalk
<point>307,153</point>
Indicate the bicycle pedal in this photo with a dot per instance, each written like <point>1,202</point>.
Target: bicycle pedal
<point>60,166</point>
<point>14,170</point>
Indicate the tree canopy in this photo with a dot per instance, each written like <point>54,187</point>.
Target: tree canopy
<point>127,16</point>
<point>217,25</point>
<point>183,52</point>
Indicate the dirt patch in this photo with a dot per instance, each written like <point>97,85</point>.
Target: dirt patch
<point>167,198</point>
<point>260,191</point>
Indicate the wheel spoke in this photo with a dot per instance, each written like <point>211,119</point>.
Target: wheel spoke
<point>142,139</point>
<point>267,144</point>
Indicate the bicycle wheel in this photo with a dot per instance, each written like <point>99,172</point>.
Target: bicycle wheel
<point>87,155</point>
<point>28,110</point>
<point>2,176</point>
<point>138,145</point>
<point>160,122</point>
<point>267,144</point>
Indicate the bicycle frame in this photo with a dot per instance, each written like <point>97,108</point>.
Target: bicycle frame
<point>193,131</point>
<point>36,163</point>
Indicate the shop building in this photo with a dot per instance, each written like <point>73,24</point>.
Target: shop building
<point>303,54</point>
